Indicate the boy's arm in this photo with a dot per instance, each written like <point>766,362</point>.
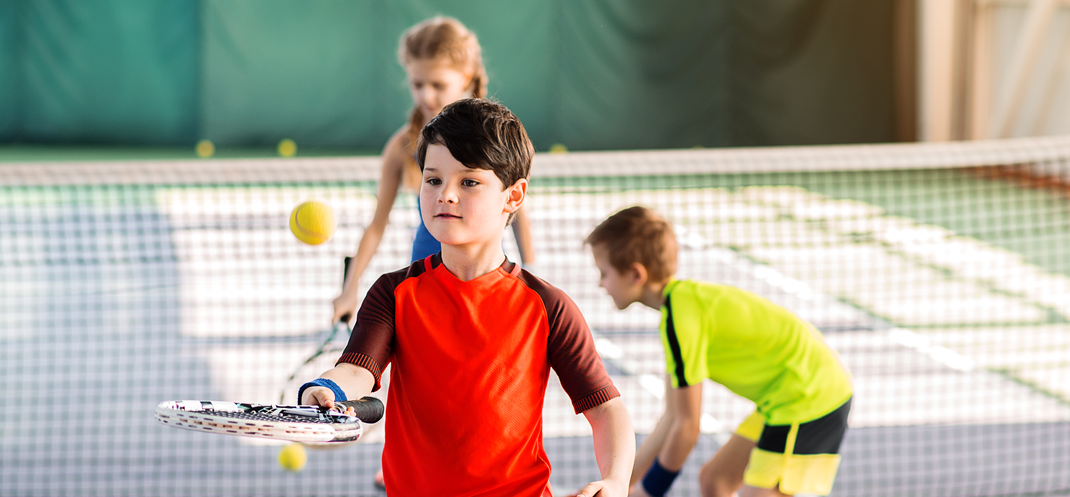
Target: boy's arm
<point>675,435</point>
<point>614,448</point>
<point>354,380</point>
<point>652,445</point>
<point>683,434</point>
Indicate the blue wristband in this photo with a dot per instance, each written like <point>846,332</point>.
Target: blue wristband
<point>658,479</point>
<point>339,395</point>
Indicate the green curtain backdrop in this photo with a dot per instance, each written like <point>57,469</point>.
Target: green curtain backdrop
<point>10,54</point>
<point>110,71</point>
<point>597,74</point>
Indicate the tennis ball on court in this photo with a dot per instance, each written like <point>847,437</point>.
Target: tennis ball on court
<point>287,148</point>
<point>293,457</point>
<point>312,222</point>
<point>205,149</point>
<point>558,148</point>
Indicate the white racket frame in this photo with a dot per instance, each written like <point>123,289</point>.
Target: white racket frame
<point>197,415</point>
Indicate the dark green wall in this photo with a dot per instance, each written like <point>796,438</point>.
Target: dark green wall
<point>10,54</point>
<point>595,74</point>
<point>108,71</point>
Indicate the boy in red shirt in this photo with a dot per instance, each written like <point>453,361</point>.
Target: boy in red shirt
<point>472,337</point>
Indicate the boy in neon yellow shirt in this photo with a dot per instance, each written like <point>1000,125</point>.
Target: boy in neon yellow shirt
<point>758,350</point>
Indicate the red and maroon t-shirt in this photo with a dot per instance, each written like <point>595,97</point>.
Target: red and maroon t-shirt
<point>470,364</point>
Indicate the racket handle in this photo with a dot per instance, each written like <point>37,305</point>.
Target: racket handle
<point>368,409</point>
<point>348,261</point>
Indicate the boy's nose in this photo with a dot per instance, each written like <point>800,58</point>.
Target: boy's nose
<point>447,196</point>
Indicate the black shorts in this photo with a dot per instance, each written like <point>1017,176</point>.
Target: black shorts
<point>800,457</point>
<point>820,436</point>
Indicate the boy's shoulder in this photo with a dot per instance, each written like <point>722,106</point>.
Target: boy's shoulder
<point>703,301</point>
<point>393,278</point>
<point>547,291</point>
<point>550,294</point>
<point>692,288</point>
<point>700,298</point>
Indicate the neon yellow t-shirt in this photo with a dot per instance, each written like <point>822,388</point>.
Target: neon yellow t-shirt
<point>752,346</point>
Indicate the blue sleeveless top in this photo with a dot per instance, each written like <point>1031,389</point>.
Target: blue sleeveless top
<point>423,244</point>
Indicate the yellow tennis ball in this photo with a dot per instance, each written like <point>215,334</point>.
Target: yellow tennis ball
<point>312,222</point>
<point>293,457</point>
<point>287,148</point>
<point>205,149</point>
<point>558,148</point>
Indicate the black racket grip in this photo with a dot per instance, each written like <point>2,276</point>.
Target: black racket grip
<point>368,409</point>
<point>348,261</point>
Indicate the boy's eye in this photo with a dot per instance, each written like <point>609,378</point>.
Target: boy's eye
<point>433,181</point>
<point>470,182</point>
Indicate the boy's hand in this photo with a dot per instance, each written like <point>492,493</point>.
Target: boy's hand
<point>603,488</point>
<point>318,396</point>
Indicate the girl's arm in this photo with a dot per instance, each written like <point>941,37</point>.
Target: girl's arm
<point>394,160</point>
<point>522,232</point>
<point>614,448</point>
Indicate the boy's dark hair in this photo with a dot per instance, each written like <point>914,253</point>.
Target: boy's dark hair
<point>481,134</point>
<point>636,234</point>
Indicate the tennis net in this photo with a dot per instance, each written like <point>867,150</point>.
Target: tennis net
<point>940,272</point>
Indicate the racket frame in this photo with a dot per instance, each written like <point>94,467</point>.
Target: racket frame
<point>228,418</point>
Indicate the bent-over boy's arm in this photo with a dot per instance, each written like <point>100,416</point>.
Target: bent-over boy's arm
<point>614,448</point>
<point>652,445</point>
<point>674,436</point>
<point>354,380</point>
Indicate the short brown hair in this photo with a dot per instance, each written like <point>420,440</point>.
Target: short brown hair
<point>637,234</point>
<point>481,134</point>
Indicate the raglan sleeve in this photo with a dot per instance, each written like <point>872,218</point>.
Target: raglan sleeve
<point>684,341</point>
<point>371,343</point>
<point>572,354</point>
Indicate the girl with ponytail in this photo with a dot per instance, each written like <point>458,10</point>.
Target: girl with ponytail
<point>444,63</point>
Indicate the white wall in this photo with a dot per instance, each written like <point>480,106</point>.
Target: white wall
<point>1045,107</point>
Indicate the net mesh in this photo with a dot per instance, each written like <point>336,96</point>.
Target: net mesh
<point>941,273</point>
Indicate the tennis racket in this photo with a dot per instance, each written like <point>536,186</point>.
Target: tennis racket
<point>308,424</point>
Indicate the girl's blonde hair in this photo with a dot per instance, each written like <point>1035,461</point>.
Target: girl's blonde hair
<point>446,39</point>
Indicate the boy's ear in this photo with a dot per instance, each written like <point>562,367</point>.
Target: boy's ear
<point>638,273</point>
<point>516,195</point>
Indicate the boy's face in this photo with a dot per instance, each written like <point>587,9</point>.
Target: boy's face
<point>462,206</point>
<point>624,287</point>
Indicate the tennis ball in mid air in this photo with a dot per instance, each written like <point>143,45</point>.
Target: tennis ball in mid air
<point>287,148</point>
<point>205,149</point>
<point>558,148</point>
<point>293,457</point>
<point>312,222</point>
